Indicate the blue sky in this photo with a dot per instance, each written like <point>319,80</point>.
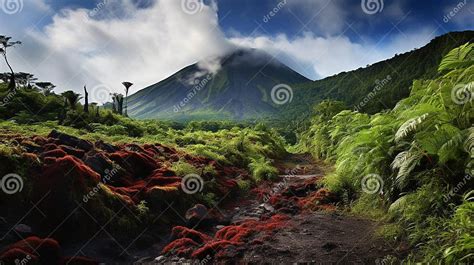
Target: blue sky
<point>71,42</point>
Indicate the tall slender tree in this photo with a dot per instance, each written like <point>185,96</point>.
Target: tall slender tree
<point>5,43</point>
<point>86,100</point>
<point>127,86</point>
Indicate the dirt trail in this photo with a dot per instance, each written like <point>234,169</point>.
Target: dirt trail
<point>319,236</point>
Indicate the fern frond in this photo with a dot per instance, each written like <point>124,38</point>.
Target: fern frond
<point>459,57</point>
<point>410,126</point>
<point>405,163</point>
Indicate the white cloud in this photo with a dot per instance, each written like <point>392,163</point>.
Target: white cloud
<point>140,45</point>
<point>318,57</point>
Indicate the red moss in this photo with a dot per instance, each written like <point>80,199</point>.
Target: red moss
<point>49,147</point>
<point>233,233</point>
<point>181,247</point>
<point>46,249</point>
<point>14,254</point>
<point>72,151</point>
<point>40,140</point>
<point>317,199</point>
<point>184,232</point>
<point>56,153</point>
<point>213,247</point>
<point>138,165</point>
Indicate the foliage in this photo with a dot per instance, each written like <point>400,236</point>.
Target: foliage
<point>422,151</point>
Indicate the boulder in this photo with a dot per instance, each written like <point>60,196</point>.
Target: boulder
<point>72,141</point>
<point>196,214</point>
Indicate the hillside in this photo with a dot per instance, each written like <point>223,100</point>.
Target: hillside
<point>240,90</point>
<point>354,86</point>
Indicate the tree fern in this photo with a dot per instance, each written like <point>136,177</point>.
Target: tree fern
<point>405,163</point>
<point>469,143</point>
<point>459,57</point>
<point>410,126</point>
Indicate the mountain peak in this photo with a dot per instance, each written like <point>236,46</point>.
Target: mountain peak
<point>235,86</point>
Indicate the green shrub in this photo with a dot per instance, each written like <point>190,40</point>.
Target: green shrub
<point>262,169</point>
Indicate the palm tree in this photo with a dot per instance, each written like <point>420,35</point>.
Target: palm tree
<point>71,99</point>
<point>5,43</point>
<point>127,86</point>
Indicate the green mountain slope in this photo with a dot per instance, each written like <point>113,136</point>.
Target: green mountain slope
<point>240,90</point>
<point>393,77</point>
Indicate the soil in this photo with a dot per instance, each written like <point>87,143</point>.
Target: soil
<point>318,237</point>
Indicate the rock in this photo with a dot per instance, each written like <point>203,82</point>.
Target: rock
<point>23,229</point>
<point>160,259</point>
<point>219,227</point>
<point>71,141</point>
<point>106,147</point>
<point>268,207</point>
<point>72,151</point>
<point>196,214</point>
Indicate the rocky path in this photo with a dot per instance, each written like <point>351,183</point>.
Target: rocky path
<point>316,234</point>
